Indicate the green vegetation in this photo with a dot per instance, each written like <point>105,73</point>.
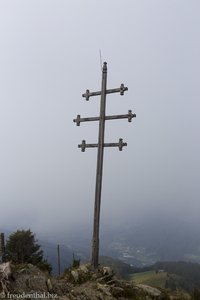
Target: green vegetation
<point>22,248</point>
<point>150,278</point>
<point>196,295</point>
<point>183,275</point>
<point>181,278</point>
<point>75,262</point>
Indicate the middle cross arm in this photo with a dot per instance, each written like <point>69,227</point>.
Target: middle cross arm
<point>128,116</point>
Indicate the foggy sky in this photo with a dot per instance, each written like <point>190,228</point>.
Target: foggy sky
<point>49,56</point>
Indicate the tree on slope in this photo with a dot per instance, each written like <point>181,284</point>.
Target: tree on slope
<point>22,248</point>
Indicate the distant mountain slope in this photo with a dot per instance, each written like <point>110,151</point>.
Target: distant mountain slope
<point>172,275</point>
<point>153,240</point>
<point>143,242</point>
<point>180,275</point>
<point>120,268</point>
<point>152,278</point>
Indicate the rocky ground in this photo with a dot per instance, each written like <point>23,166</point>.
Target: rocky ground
<point>81,283</point>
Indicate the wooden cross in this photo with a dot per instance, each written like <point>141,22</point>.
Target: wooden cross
<point>100,145</point>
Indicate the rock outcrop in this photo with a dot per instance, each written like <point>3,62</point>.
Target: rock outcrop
<point>81,283</point>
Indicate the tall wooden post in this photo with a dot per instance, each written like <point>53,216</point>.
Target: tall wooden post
<point>58,252</point>
<point>2,247</point>
<point>102,118</point>
<point>99,172</point>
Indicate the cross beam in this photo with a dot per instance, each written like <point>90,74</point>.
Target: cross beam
<point>120,145</point>
<point>128,116</point>
<point>101,145</point>
<point>120,90</point>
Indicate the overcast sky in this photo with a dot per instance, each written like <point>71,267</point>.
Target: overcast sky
<point>49,56</point>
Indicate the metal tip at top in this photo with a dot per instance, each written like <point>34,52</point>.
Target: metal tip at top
<point>104,66</point>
